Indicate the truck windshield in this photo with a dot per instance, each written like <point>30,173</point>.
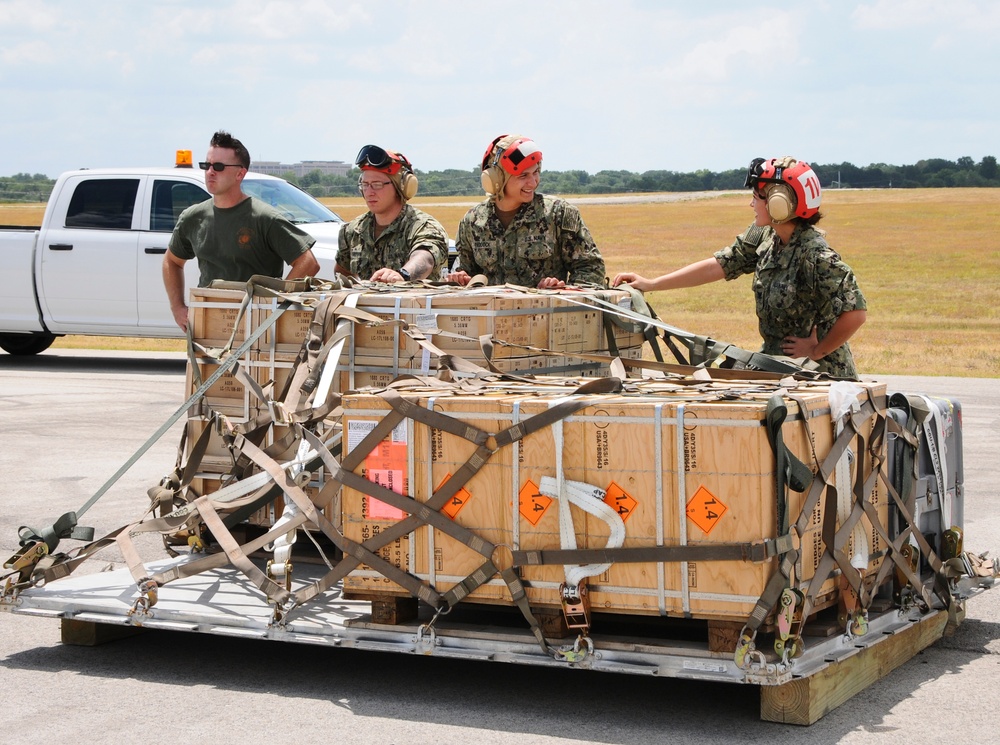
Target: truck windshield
<point>289,200</point>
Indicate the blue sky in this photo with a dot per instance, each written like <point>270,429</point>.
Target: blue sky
<point>631,84</point>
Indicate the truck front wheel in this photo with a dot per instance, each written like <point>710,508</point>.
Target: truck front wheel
<point>25,344</point>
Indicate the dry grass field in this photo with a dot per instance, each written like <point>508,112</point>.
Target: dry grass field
<point>927,260</point>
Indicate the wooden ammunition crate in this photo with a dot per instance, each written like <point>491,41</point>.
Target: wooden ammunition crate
<point>374,356</point>
<point>681,466</point>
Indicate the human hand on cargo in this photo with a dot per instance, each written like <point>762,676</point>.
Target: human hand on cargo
<point>388,276</point>
<point>458,278</point>
<point>551,283</point>
<point>635,280</point>
<point>180,314</point>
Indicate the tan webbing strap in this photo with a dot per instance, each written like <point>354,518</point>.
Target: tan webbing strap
<point>309,510</point>
<point>559,411</point>
<point>217,560</point>
<point>749,552</point>
<point>434,419</point>
<point>463,588</point>
<point>275,592</point>
<point>821,481</point>
<point>933,560</point>
<point>517,593</point>
<point>56,566</point>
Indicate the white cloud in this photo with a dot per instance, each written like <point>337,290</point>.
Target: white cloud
<point>634,85</point>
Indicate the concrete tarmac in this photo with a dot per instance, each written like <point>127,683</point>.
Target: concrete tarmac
<point>69,419</point>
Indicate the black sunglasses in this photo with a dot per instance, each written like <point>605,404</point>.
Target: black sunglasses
<point>218,166</point>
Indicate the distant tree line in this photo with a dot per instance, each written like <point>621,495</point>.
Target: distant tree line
<point>931,173</point>
<point>25,187</point>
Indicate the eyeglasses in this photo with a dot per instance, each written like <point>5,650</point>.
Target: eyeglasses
<point>218,166</point>
<point>373,185</point>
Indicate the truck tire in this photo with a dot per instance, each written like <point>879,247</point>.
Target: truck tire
<point>26,344</point>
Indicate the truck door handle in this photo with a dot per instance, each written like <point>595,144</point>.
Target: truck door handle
<point>60,247</point>
<point>155,250</point>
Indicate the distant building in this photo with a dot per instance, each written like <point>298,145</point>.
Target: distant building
<point>326,167</point>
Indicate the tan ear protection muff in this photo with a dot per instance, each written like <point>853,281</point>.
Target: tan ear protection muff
<point>408,184</point>
<point>780,202</point>
<point>493,178</point>
<point>790,188</point>
<point>507,155</point>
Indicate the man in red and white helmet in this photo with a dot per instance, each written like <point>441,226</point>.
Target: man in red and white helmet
<point>393,241</point>
<point>808,300</point>
<point>518,236</point>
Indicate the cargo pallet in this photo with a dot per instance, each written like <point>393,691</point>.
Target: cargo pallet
<point>902,600</point>
<point>834,667</point>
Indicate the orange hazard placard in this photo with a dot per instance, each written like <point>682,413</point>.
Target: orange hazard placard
<point>457,502</point>
<point>386,466</point>
<point>620,501</point>
<point>530,503</point>
<point>704,509</point>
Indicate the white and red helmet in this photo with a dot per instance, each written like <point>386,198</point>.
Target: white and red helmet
<point>506,156</point>
<point>797,175</point>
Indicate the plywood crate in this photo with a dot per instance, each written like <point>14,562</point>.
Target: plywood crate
<point>227,395</point>
<point>681,467</point>
<point>214,313</point>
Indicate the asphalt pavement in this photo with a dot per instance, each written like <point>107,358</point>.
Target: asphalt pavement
<point>70,418</point>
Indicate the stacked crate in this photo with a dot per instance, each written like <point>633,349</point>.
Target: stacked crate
<point>565,323</point>
<point>569,324</point>
<point>682,465</point>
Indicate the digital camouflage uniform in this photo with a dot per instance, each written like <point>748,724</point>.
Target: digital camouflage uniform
<point>358,249</point>
<point>797,286</point>
<point>546,238</point>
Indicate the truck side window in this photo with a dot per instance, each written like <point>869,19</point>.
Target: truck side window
<point>105,204</point>
<point>170,198</point>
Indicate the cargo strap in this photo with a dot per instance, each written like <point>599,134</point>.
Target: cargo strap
<point>703,351</point>
<point>755,552</point>
<point>906,503</point>
<point>66,525</point>
<point>427,513</point>
<point>821,481</point>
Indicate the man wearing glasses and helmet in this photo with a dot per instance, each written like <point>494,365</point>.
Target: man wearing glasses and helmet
<point>519,236</point>
<point>393,241</point>
<point>233,235</point>
<point>808,300</point>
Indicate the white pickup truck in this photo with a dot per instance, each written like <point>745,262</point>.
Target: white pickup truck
<point>94,266</point>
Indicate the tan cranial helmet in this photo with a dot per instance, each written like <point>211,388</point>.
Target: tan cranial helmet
<point>506,156</point>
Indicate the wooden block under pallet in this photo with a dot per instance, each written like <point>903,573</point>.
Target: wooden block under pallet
<point>806,700</point>
<point>388,609</point>
<point>724,635</point>
<point>91,634</point>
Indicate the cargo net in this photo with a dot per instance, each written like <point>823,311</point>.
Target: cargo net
<point>290,460</point>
